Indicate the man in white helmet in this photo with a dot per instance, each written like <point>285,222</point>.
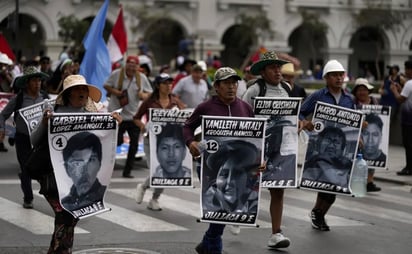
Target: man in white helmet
<point>333,93</point>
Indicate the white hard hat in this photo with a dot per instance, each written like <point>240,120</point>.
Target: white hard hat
<point>332,66</point>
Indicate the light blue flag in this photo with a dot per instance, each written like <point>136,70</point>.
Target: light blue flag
<point>96,66</point>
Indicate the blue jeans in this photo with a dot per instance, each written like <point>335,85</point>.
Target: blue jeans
<point>212,240</point>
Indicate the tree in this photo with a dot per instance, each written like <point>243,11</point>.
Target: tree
<point>72,32</point>
<point>379,16</point>
<point>251,33</point>
<point>313,31</point>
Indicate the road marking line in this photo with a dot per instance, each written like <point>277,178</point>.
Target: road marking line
<point>29,219</point>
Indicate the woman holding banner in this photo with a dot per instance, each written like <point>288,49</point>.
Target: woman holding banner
<point>76,97</point>
<point>362,91</point>
<point>161,97</point>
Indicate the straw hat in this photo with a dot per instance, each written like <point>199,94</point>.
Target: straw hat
<point>78,80</point>
<point>267,58</point>
<point>289,69</point>
<point>28,73</point>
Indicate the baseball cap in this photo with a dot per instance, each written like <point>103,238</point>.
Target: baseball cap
<point>162,77</point>
<point>224,73</point>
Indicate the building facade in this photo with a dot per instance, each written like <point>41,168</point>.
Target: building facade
<point>213,26</point>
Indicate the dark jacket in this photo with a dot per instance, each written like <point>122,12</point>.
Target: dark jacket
<point>214,107</point>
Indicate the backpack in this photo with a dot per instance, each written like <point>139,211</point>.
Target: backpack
<point>262,87</point>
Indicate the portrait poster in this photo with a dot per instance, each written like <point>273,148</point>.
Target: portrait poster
<point>332,149</point>
<point>82,149</point>
<point>10,129</point>
<point>33,114</point>
<point>170,159</point>
<point>230,177</point>
<point>375,135</point>
<point>281,140</point>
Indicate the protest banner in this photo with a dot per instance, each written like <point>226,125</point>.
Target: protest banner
<point>281,140</point>
<point>170,159</point>
<point>82,149</point>
<point>33,114</point>
<point>375,135</point>
<point>331,149</point>
<point>230,179</point>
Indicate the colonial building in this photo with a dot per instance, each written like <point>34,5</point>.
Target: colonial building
<point>214,27</point>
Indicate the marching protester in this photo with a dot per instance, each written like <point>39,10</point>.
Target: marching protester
<point>192,89</point>
<point>289,75</point>
<point>404,96</point>
<point>225,103</point>
<point>161,97</point>
<point>333,73</point>
<point>362,91</point>
<point>271,85</point>
<point>76,97</point>
<point>127,87</point>
<point>30,93</point>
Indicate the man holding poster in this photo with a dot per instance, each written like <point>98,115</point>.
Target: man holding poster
<point>334,74</point>
<point>225,103</point>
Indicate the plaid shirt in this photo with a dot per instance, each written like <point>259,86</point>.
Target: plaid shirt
<point>324,95</point>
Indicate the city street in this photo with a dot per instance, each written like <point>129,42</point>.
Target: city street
<point>378,223</point>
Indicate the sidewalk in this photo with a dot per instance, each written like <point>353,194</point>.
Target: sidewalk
<point>396,163</point>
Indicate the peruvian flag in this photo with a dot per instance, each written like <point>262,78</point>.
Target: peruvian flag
<point>5,48</point>
<point>117,43</point>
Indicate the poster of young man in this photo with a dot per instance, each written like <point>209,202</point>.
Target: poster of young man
<point>33,114</point>
<point>332,149</point>
<point>281,140</point>
<point>83,155</point>
<point>170,159</point>
<point>229,167</point>
<point>375,135</point>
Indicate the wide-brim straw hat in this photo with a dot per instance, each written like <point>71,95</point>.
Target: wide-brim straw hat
<point>28,73</point>
<point>78,80</point>
<point>267,58</point>
<point>289,69</point>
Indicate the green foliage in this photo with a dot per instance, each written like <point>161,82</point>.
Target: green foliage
<point>378,14</point>
<point>255,26</point>
<point>72,29</point>
<point>312,25</point>
<point>146,18</point>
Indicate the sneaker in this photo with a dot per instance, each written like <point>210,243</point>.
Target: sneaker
<point>28,205</point>
<point>371,187</point>
<point>200,250</point>
<point>234,229</point>
<point>140,193</point>
<point>318,220</point>
<point>278,240</point>
<point>210,245</point>
<point>3,148</point>
<point>404,172</point>
<point>154,205</point>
